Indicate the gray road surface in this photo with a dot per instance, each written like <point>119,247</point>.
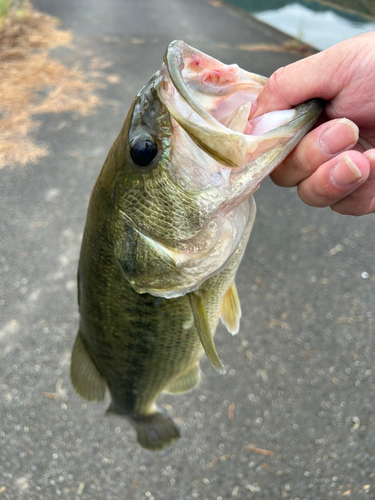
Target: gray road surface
<point>301,374</point>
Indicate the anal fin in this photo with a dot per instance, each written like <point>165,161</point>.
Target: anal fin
<point>186,381</point>
<point>230,312</point>
<point>155,431</point>
<point>204,331</point>
<point>86,378</point>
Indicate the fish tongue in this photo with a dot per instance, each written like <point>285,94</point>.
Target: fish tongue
<point>238,120</point>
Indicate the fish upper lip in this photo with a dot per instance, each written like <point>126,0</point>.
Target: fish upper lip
<point>173,58</point>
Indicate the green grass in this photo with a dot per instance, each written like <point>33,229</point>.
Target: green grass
<point>6,7</point>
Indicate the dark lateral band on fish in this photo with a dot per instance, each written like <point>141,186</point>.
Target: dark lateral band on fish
<point>167,226</point>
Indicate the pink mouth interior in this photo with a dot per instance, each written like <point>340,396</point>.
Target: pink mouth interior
<point>220,89</point>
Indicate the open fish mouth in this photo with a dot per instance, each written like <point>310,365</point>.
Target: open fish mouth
<point>213,103</point>
<point>217,155</point>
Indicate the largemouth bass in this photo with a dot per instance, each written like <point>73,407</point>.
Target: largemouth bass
<point>167,225</point>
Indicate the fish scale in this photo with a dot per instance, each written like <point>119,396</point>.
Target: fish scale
<point>167,225</point>
<point>160,211</point>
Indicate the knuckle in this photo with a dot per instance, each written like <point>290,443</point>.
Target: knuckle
<point>281,178</point>
<point>342,210</point>
<point>302,158</point>
<point>349,207</point>
<point>275,82</point>
<point>313,194</point>
<point>297,166</point>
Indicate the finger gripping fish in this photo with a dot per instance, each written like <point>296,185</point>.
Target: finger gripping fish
<point>167,225</point>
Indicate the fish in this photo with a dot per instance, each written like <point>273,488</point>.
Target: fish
<point>167,225</point>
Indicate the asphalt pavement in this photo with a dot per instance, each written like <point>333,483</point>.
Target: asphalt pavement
<point>294,415</point>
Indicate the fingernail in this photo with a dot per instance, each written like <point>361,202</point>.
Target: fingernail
<point>341,135</point>
<point>345,172</point>
<point>370,155</point>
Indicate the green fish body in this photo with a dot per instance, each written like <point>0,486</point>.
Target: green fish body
<point>167,225</point>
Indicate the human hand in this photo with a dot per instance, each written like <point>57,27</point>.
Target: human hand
<point>334,164</point>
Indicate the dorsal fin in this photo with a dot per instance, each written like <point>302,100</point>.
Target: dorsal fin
<point>204,331</point>
<point>230,312</point>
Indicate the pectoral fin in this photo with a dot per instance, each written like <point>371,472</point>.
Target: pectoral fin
<point>204,331</point>
<point>230,312</point>
<point>186,381</point>
<point>86,379</point>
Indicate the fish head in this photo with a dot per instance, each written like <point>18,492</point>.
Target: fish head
<point>184,165</point>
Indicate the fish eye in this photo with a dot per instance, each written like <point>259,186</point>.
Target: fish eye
<point>143,150</point>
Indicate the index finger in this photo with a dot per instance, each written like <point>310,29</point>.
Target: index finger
<point>320,75</point>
